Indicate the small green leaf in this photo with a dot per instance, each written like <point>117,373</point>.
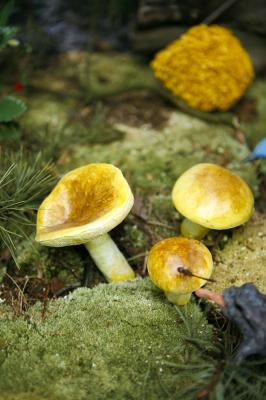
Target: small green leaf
<point>11,108</point>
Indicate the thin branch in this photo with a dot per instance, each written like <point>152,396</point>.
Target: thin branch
<point>219,11</point>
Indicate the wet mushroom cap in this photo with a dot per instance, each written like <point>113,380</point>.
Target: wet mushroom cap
<point>166,256</point>
<point>213,197</point>
<point>87,202</point>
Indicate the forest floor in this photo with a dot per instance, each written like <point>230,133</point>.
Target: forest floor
<point>117,341</point>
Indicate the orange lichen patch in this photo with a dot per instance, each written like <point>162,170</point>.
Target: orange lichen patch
<point>213,197</point>
<point>81,197</point>
<point>207,67</point>
<point>168,255</point>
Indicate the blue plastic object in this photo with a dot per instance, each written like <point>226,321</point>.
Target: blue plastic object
<point>258,152</point>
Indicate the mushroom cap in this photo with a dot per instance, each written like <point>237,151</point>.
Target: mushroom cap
<point>166,256</point>
<point>213,197</point>
<point>87,202</point>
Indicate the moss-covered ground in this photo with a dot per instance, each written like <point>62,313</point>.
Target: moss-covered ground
<point>115,341</point>
<point>124,341</point>
<point>243,258</point>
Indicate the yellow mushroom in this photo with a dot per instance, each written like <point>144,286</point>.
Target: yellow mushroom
<point>211,197</point>
<point>170,258</point>
<point>82,208</point>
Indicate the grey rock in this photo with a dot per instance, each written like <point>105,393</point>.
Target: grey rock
<point>246,307</point>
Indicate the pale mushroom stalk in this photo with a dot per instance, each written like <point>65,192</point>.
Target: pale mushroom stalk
<point>192,230</point>
<point>109,259</point>
<point>178,299</point>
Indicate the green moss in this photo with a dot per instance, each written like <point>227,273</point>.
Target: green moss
<point>134,236</point>
<point>59,96</point>
<point>49,262</point>
<point>65,265</point>
<point>46,110</point>
<point>154,159</point>
<point>21,396</point>
<point>162,208</point>
<point>255,129</point>
<point>111,342</point>
<point>243,259</point>
<point>59,91</point>
<point>105,74</point>
<point>89,75</point>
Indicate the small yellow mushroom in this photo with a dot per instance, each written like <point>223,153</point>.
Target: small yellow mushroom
<point>83,207</point>
<point>211,197</point>
<point>170,258</point>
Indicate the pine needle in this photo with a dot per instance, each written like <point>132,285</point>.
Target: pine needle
<point>24,181</point>
<point>216,376</point>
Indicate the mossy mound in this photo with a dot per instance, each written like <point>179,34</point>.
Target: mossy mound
<point>106,74</point>
<point>243,259</point>
<point>58,96</point>
<point>111,342</point>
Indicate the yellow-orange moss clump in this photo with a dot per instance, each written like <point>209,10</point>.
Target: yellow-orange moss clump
<point>207,68</point>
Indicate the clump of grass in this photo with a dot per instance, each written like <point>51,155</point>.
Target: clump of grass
<point>24,181</point>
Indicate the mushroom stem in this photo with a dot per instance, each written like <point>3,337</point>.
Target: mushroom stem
<point>179,299</point>
<point>109,259</point>
<point>192,230</point>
